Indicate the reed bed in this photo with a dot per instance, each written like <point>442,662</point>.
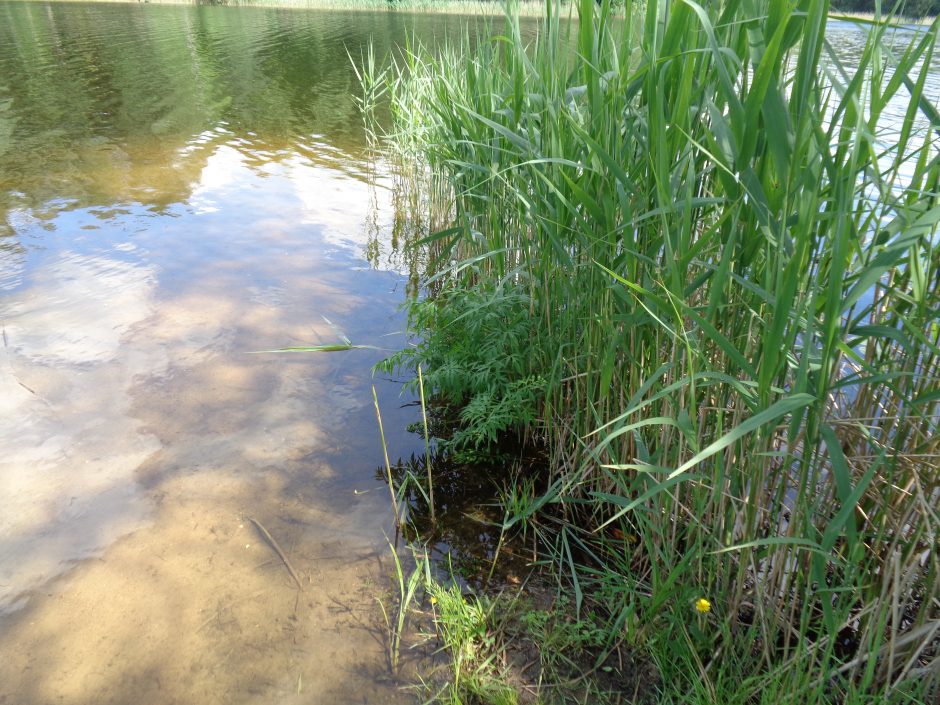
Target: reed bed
<point>692,253</point>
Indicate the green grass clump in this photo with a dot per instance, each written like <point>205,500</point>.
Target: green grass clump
<point>469,632</point>
<point>707,251</point>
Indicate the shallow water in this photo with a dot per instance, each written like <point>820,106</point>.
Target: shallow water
<point>180,186</point>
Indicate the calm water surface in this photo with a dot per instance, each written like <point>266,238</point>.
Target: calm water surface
<point>179,186</point>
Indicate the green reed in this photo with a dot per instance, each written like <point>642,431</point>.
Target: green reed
<point>729,282</point>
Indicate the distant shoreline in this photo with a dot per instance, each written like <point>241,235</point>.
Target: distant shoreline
<point>869,18</point>
<point>530,8</point>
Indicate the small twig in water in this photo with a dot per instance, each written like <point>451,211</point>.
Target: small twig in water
<point>277,549</point>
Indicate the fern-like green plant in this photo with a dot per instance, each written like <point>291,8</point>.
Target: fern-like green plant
<point>477,350</point>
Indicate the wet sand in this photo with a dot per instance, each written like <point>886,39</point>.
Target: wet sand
<point>198,608</point>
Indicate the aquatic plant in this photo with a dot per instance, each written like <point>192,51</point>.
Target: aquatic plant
<point>713,244</point>
<point>407,590</point>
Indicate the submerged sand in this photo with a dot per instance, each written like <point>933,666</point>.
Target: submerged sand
<point>140,438</point>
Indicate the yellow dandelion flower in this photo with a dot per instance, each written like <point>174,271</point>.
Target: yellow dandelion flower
<point>702,605</point>
<point>433,600</point>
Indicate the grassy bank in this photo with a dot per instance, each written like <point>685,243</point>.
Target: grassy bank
<point>695,257</point>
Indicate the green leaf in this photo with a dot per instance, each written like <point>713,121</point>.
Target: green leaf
<point>779,409</point>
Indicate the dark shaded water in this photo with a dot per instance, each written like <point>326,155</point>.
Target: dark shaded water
<point>179,186</point>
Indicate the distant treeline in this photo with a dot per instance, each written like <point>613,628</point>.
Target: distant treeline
<point>910,8</point>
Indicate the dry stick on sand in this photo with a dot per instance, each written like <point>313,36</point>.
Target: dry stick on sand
<point>277,549</point>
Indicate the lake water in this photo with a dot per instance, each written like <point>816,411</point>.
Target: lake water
<point>180,186</point>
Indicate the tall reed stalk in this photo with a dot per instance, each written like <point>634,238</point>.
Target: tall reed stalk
<point>724,249</point>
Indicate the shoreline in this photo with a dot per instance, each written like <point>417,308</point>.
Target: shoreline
<point>869,19</point>
<point>526,8</point>
<point>491,8</point>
